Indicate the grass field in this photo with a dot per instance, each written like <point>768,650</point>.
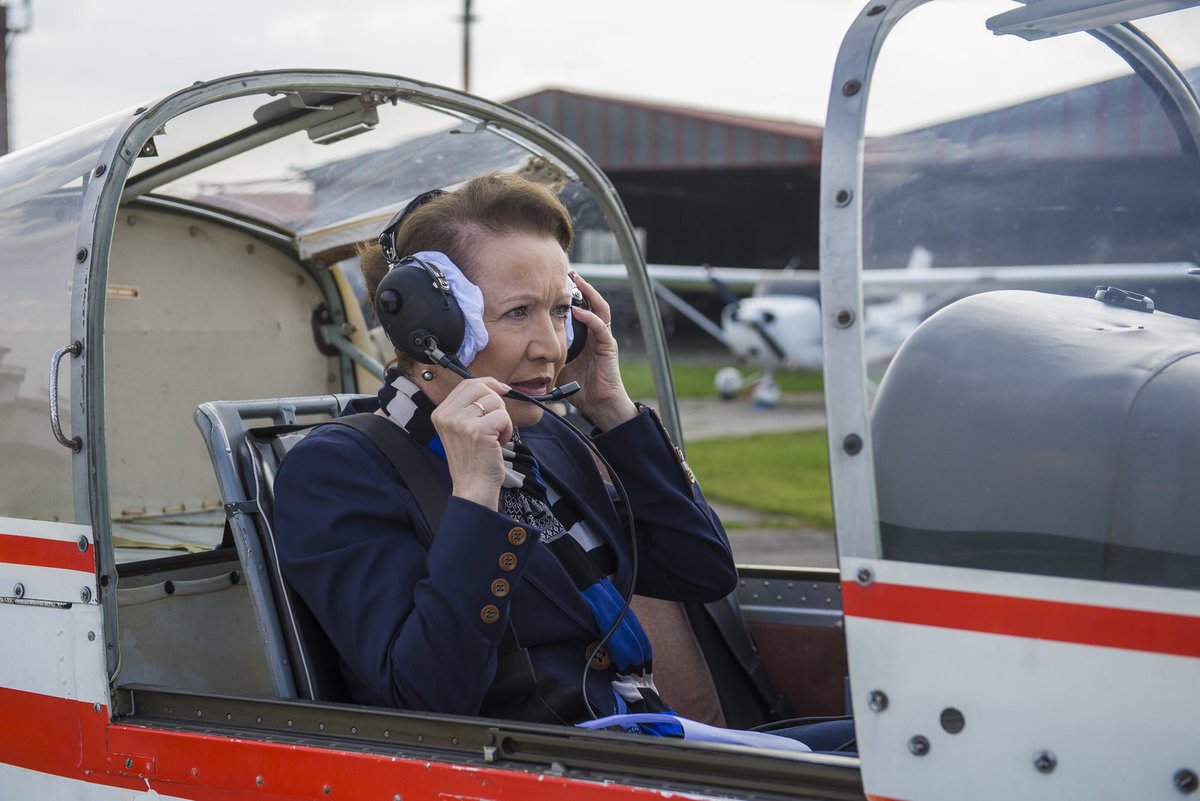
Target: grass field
<point>785,475</point>
<point>696,380</point>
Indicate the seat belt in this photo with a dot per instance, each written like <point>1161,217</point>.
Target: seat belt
<point>409,463</point>
<point>519,690</point>
<point>736,665</point>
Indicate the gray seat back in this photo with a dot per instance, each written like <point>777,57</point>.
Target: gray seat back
<point>301,661</point>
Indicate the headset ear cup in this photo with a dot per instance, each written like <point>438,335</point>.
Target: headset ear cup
<point>412,309</point>
<point>579,333</point>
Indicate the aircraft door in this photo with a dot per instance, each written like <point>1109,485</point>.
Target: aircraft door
<point>1013,506</point>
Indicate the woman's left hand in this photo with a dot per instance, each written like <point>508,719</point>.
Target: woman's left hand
<point>602,397</point>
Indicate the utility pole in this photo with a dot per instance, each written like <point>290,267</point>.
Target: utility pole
<point>3,79</point>
<point>467,19</point>
<point>6,35</point>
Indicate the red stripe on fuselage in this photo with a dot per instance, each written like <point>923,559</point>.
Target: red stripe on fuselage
<point>18,550</point>
<point>1128,629</point>
<point>69,739</point>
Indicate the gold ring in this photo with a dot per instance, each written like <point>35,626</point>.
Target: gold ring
<point>478,405</point>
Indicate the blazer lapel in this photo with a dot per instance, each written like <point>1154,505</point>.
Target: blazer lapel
<point>586,488</point>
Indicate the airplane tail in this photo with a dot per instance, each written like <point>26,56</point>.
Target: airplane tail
<point>920,261</point>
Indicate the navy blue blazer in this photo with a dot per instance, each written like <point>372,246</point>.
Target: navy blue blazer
<point>420,629</point>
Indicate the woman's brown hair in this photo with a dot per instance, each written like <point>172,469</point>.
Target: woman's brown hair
<point>457,223</point>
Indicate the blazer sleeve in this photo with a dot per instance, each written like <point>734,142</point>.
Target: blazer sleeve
<point>417,629</point>
<point>683,550</point>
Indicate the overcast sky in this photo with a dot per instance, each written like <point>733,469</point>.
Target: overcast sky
<point>85,58</point>
<point>81,60</point>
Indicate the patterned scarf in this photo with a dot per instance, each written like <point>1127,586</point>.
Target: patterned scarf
<point>589,561</point>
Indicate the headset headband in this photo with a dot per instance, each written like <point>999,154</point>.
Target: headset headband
<point>387,239</point>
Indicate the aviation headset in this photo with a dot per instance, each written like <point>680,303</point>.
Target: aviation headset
<point>419,313</point>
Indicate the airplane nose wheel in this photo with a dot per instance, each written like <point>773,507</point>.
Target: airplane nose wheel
<point>728,382</point>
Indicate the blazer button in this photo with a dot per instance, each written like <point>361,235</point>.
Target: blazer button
<point>517,535</point>
<point>489,613</point>
<point>602,660</point>
<point>508,561</point>
<point>500,588</point>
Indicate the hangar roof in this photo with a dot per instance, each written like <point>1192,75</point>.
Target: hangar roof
<point>623,134</point>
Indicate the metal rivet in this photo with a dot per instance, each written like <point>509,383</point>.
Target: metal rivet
<point>19,590</point>
<point>877,700</point>
<point>258,719</point>
<point>387,734</point>
<point>290,724</point>
<point>91,636</point>
<point>82,543</point>
<point>1045,762</point>
<point>919,745</point>
<point>873,10</point>
<point>327,789</point>
<point>851,87</point>
<point>1186,781</point>
<point>865,576</point>
<point>229,716</point>
<point>852,444</point>
<point>99,170</point>
<point>843,196</point>
<point>354,730</point>
<point>953,720</point>
<point>321,726</point>
<point>844,318</point>
<point>96,707</point>
<point>85,595</point>
<point>128,762</point>
<point>258,780</point>
<point>199,713</point>
<point>81,254</point>
<point>420,738</point>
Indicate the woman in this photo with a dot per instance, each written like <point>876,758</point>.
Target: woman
<point>502,614</point>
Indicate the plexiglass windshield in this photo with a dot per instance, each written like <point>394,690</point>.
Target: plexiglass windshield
<point>231,307</point>
<point>1037,433</point>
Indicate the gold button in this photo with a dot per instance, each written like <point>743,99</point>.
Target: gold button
<point>602,660</point>
<point>691,477</point>
<point>517,535</point>
<point>500,588</point>
<point>679,454</point>
<point>489,613</point>
<point>508,561</point>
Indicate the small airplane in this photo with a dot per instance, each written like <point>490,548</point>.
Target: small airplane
<point>778,326</point>
<point>1016,611</point>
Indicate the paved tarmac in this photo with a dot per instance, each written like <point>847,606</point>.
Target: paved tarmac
<point>756,538</point>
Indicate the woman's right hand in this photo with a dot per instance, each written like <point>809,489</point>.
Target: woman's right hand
<point>473,424</point>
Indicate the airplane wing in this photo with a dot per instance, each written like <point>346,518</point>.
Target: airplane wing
<point>894,280</point>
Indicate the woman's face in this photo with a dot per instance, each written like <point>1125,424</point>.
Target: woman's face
<point>526,308</point>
